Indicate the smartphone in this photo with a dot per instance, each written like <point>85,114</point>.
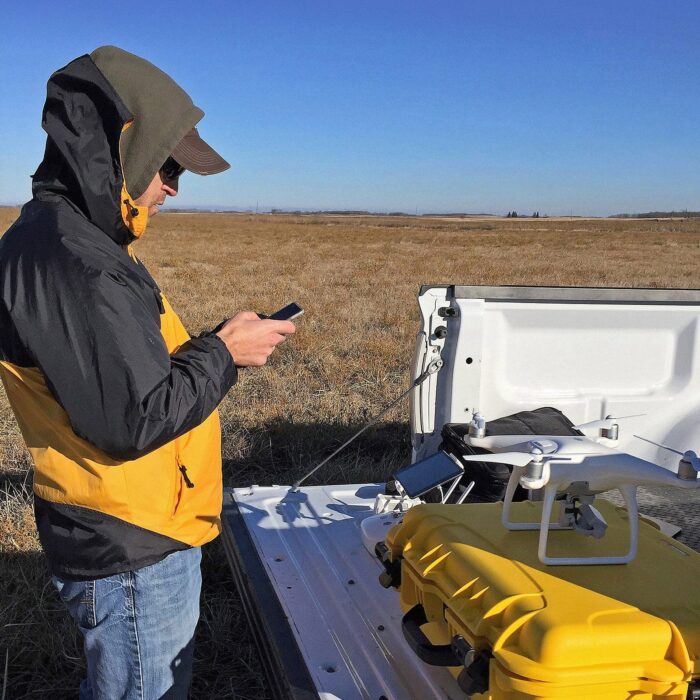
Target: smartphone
<point>423,476</point>
<point>287,313</point>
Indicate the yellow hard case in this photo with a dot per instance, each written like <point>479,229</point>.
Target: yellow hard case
<point>596,632</point>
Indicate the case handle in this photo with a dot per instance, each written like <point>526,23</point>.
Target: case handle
<point>432,654</point>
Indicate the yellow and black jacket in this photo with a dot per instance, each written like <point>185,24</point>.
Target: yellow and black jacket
<point>116,402</point>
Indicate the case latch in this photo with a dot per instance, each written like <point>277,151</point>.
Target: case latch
<point>474,677</point>
<point>391,576</point>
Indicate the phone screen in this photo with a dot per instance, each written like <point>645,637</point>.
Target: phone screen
<point>421,477</point>
<point>287,313</point>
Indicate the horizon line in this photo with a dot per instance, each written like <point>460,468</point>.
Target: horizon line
<point>658,213</point>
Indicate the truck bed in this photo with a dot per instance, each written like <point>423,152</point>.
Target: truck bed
<point>322,623</point>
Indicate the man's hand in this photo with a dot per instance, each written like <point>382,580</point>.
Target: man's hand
<point>251,340</point>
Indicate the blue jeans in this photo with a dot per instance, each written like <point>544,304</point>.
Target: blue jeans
<point>138,628</point>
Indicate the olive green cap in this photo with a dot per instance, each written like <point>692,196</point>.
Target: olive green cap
<point>163,114</point>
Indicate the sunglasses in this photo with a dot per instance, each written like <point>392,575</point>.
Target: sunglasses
<point>171,169</point>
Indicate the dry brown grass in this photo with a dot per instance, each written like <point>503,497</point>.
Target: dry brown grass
<point>357,278</point>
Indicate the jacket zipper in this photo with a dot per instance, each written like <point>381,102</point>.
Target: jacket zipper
<point>183,471</point>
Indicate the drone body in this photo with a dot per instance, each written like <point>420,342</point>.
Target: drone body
<point>572,470</point>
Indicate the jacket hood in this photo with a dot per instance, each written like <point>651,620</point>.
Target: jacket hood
<point>91,159</point>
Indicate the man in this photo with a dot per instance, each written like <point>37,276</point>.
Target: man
<point>116,402</point>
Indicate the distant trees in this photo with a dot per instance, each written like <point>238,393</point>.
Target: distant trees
<point>514,215</point>
<point>685,214</point>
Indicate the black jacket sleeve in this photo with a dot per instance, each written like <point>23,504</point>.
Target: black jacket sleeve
<point>95,334</point>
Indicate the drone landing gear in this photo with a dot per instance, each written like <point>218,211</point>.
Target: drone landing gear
<point>583,519</point>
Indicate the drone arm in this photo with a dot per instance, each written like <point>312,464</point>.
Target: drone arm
<point>626,469</point>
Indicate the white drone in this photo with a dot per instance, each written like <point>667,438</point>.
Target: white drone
<point>573,469</point>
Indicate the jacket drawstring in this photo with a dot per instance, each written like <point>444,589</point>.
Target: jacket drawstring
<point>132,209</point>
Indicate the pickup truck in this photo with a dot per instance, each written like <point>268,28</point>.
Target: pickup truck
<point>304,559</point>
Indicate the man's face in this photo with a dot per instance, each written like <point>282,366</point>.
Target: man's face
<point>156,192</point>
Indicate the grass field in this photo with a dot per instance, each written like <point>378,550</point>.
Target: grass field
<point>357,278</point>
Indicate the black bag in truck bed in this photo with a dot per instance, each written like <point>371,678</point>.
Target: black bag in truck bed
<point>490,480</point>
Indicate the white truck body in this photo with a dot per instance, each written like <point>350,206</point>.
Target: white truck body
<point>324,626</point>
<point>588,352</point>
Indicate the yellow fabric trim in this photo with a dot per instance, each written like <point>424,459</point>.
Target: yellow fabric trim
<point>135,218</point>
<point>135,223</point>
<point>148,491</point>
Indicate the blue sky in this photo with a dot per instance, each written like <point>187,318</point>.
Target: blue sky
<point>551,105</point>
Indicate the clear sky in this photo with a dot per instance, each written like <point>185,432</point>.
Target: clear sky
<point>590,107</point>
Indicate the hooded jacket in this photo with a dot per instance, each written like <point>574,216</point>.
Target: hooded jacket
<point>117,404</point>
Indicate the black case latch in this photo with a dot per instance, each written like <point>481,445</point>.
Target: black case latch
<point>391,576</point>
<point>474,677</point>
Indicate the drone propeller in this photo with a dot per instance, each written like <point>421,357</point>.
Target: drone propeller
<point>688,455</point>
<point>514,459</point>
<point>605,423</point>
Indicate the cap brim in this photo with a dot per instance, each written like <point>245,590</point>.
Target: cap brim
<point>194,154</point>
